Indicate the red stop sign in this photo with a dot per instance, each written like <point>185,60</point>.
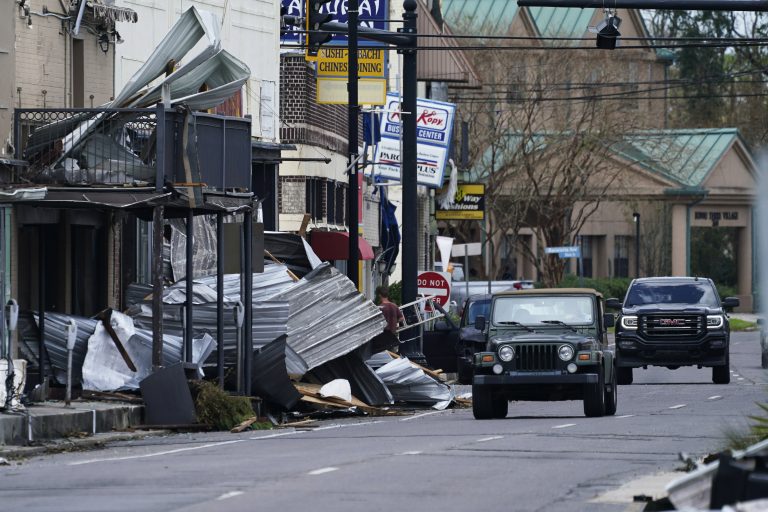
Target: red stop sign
<point>437,284</point>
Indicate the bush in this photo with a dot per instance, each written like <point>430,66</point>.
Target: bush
<point>217,408</point>
<point>610,287</point>
<point>396,293</point>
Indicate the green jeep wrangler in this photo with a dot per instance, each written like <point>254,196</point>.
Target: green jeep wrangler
<point>542,345</point>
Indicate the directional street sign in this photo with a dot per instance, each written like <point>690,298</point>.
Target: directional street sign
<point>571,251</point>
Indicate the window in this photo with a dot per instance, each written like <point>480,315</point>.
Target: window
<point>341,210</point>
<point>330,194</point>
<point>542,310</point>
<point>649,292</point>
<point>621,256</point>
<point>314,198</point>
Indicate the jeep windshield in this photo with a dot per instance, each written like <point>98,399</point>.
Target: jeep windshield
<point>650,292</point>
<point>543,309</point>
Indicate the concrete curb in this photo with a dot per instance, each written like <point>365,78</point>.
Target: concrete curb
<point>52,420</point>
<point>15,453</point>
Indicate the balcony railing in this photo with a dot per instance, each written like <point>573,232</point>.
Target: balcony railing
<point>118,147</point>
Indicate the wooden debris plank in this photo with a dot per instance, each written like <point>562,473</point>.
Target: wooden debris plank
<point>312,391</point>
<point>244,425</point>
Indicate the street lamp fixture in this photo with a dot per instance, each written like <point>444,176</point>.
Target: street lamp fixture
<point>636,219</point>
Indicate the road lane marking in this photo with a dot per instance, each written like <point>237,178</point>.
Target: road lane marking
<point>740,378</point>
<point>714,397</point>
<point>735,374</point>
<point>486,439</point>
<point>270,436</point>
<point>625,416</point>
<point>566,425</point>
<point>411,453</point>
<point>322,471</point>
<point>678,406</point>
<point>345,425</point>
<point>155,454</point>
<point>228,495</point>
<point>409,418</point>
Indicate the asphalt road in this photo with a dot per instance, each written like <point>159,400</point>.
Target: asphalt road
<point>543,456</point>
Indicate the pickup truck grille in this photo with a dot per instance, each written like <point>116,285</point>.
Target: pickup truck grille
<point>536,357</point>
<point>658,326</point>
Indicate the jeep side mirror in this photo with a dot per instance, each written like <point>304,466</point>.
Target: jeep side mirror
<point>480,323</point>
<point>608,320</point>
<point>613,303</point>
<point>731,302</point>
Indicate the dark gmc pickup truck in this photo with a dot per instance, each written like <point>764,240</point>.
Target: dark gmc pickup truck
<point>672,322</point>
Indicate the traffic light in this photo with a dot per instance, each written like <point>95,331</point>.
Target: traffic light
<point>608,32</point>
<point>315,20</point>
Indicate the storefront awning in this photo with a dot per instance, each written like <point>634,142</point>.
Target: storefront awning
<point>334,245</point>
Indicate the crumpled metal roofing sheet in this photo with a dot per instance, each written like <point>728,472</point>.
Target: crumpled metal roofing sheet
<point>56,344</point>
<point>328,316</point>
<point>365,384</point>
<point>408,383</point>
<point>104,368</point>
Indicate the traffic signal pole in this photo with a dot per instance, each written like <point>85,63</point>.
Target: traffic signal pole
<point>408,173</point>
<point>353,109</point>
<point>405,40</point>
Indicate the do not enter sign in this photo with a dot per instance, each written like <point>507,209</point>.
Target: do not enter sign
<point>437,284</point>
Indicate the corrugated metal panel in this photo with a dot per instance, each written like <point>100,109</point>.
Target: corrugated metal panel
<point>270,378</point>
<point>56,344</point>
<point>328,316</point>
<point>408,383</point>
<point>365,384</point>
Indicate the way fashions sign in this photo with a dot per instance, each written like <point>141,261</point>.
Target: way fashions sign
<point>434,130</point>
<point>468,203</point>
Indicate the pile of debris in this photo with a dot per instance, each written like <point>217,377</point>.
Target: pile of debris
<point>306,333</point>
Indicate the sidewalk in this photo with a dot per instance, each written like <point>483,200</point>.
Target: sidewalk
<point>53,420</point>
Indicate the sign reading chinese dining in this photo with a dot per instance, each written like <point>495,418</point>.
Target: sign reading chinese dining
<point>468,203</point>
<point>433,134</point>
<point>332,76</point>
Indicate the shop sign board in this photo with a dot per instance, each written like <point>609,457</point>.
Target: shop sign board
<point>468,203</point>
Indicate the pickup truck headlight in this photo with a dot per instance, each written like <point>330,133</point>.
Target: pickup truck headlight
<point>565,352</point>
<point>506,353</point>
<point>715,321</point>
<point>629,322</point>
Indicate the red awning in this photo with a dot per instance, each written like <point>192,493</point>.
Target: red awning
<point>334,245</point>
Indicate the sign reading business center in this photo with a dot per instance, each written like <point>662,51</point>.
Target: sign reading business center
<point>467,204</point>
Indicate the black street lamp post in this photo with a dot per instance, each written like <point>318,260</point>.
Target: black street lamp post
<point>636,218</point>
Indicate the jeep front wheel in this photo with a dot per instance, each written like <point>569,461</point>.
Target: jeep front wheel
<point>624,376</point>
<point>722,374</point>
<point>482,403</point>
<point>611,395</point>
<point>500,408</point>
<point>594,397</point>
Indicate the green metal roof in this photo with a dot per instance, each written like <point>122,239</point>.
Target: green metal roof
<point>559,22</point>
<point>683,156</point>
<point>493,17</point>
<point>486,17</point>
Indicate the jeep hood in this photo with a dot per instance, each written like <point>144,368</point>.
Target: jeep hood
<point>555,337</point>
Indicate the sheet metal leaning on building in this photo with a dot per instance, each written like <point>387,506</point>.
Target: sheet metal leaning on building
<point>56,344</point>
